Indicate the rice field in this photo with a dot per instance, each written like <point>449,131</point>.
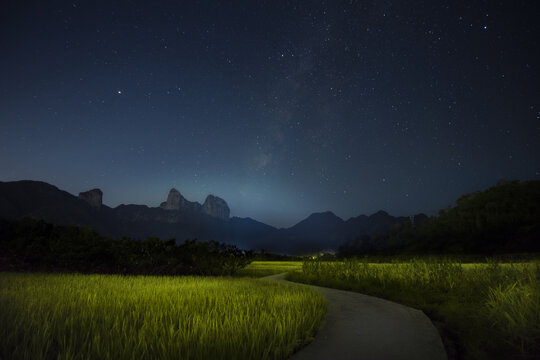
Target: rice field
<point>486,310</point>
<point>266,268</point>
<point>72,316</point>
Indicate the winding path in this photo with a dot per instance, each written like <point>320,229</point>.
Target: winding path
<point>358,326</point>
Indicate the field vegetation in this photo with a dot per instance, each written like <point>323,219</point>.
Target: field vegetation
<point>67,316</point>
<point>266,268</point>
<point>485,310</point>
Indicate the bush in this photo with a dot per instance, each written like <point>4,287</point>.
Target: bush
<point>33,245</point>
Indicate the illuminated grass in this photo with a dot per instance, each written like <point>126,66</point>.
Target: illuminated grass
<point>44,316</point>
<point>266,268</point>
<point>492,310</point>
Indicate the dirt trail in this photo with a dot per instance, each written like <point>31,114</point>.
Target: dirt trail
<point>358,326</point>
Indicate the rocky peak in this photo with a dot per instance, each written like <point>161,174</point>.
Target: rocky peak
<point>213,205</point>
<point>93,197</point>
<point>174,200</point>
<point>216,207</point>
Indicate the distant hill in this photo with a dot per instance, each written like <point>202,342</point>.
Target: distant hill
<point>370,225</point>
<point>319,231</point>
<point>502,219</point>
<point>182,219</point>
<point>40,200</point>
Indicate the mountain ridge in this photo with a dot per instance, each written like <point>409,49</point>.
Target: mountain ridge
<point>182,219</point>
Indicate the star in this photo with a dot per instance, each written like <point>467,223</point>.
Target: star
<point>367,97</point>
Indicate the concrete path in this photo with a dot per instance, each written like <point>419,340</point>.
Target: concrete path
<point>358,326</point>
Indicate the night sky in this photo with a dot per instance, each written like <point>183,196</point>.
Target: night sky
<point>280,108</point>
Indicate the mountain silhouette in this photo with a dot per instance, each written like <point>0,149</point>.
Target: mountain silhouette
<point>182,219</point>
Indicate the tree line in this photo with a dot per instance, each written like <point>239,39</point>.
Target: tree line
<point>34,245</point>
<point>502,219</point>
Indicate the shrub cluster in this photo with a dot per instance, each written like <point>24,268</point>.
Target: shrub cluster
<point>34,245</point>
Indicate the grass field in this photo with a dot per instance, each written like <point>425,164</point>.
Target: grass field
<point>491,310</point>
<point>266,268</point>
<point>62,316</point>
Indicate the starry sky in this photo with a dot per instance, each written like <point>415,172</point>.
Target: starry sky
<point>281,108</point>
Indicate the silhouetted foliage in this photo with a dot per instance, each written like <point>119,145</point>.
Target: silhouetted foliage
<point>502,219</point>
<point>262,255</point>
<point>34,245</point>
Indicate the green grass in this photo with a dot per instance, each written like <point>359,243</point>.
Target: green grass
<point>491,310</point>
<point>71,316</point>
<point>266,268</point>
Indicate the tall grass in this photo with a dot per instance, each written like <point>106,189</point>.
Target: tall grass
<point>45,316</point>
<point>514,310</point>
<point>492,310</point>
<point>266,268</point>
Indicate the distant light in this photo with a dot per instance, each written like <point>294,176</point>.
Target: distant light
<point>119,92</point>
<point>485,27</point>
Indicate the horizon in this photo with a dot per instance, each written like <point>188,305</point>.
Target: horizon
<point>233,214</point>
